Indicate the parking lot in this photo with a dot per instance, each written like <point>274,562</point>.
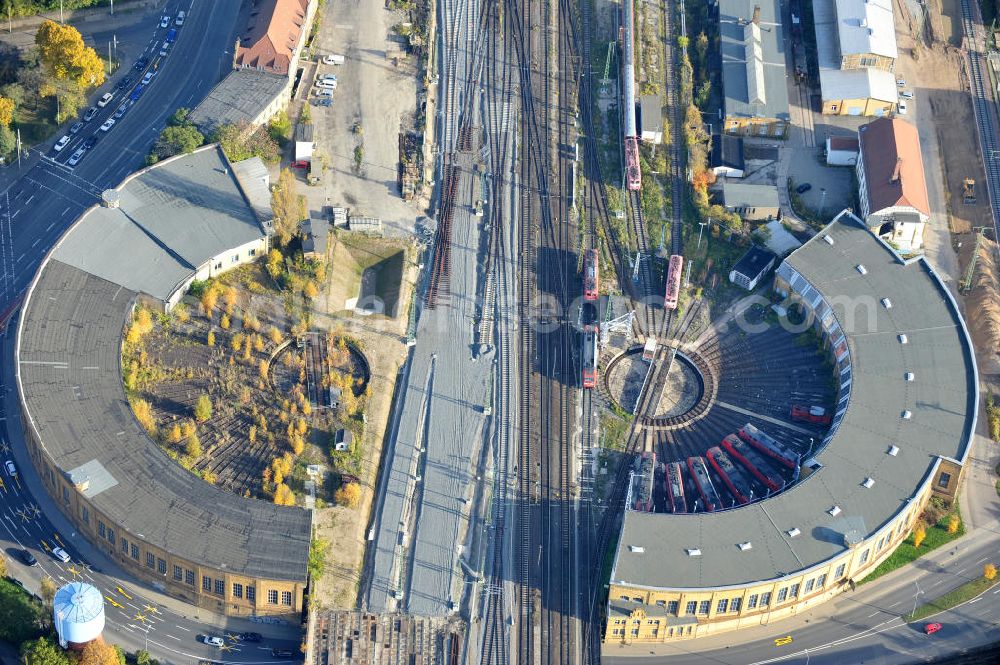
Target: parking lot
<point>374,99</point>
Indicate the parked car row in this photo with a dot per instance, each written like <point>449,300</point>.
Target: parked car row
<point>141,66</point>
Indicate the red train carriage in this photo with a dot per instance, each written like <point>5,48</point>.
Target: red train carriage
<point>673,281</point>
<point>699,471</point>
<point>735,479</point>
<point>591,275</point>
<point>768,446</point>
<point>753,461</point>
<point>816,415</point>
<point>675,488</point>
<point>589,357</point>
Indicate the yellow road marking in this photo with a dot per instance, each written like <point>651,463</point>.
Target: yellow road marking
<point>782,641</point>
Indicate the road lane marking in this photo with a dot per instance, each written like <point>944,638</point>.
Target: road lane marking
<point>37,240</point>
<point>959,572</point>
<point>975,600</point>
<point>983,559</point>
<point>182,628</point>
<point>49,228</point>
<point>173,638</point>
<point>894,604</point>
<point>872,614</point>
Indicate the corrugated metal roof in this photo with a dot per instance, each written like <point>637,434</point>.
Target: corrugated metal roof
<point>866,26</point>
<point>753,70</point>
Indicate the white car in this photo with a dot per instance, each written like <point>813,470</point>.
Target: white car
<point>326,77</point>
<point>906,94</point>
<point>11,469</point>
<point>61,143</point>
<point>75,158</point>
<point>333,59</point>
<point>89,115</point>
<point>165,21</point>
<point>325,92</point>
<point>60,554</point>
<point>329,85</point>
<point>901,82</point>
<point>212,640</point>
<point>180,18</point>
<point>148,77</point>
<point>108,124</point>
<point>901,108</point>
<point>106,99</point>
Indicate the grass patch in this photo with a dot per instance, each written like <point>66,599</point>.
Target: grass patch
<point>953,598</point>
<point>936,536</point>
<point>615,430</point>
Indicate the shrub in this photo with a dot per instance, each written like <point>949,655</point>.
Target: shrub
<point>283,495</point>
<point>919,535</point>
<point>175,435</point>
<point>211,338</point>
<point>989,571</point>
<point>348,495</point>
<point>144,414</point>
<point>193,446</point>
<point>953,523</point>
<point>203,408</point>
<point>224,322</point>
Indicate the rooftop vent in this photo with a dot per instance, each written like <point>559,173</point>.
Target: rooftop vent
<point>893,450</point>
<point>828,240</point>
<point>793,532</point>
<point>744,546</point>
<point>909,376</point>
<point>886,303</point>
<point>903,339</point>
<point>636,549</point>
<point>907,415</point>
<point>834,511</point>
<point>693,552</point>
<point>861,269</point>
<point>869,482</point>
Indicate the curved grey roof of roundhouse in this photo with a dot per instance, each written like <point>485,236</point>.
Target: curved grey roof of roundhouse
<point>942,399</point>
<point>69,379</point>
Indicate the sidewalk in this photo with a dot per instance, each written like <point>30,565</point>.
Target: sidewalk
<point>97,559</point>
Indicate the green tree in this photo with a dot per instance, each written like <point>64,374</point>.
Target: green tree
<point>288,206</point>
<point>8,141</point>
<point>242,140</point>
<point>317,558</point>
<point>43,651</point>
<point>142,657</point>
<point>179,118</point>
<point>203,408</point>
<point>280,128</point>
<point>176,140</point>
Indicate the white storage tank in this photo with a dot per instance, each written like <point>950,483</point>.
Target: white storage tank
<point>78,614</point>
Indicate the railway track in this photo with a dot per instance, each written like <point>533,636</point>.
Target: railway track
<point>985,124</point>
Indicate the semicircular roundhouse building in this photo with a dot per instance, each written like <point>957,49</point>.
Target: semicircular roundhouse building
<point>186,218</point>
<point>904,418</point>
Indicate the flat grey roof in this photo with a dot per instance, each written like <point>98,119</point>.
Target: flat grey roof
<point>172,218</point>
<point>866,26</point>
<point>71,390</point>
<point>741,195</point>
<point>255,180</point>
<point>942,399</point>
<point>733,17</point>
<point>240,97</point>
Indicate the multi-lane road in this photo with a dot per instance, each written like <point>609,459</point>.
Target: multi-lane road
<point>48,194</point>
<point>39,200</point>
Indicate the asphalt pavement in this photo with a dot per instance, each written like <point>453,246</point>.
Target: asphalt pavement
<point>39,200</point>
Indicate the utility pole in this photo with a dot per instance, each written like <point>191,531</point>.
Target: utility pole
<point>109,58</point>
<point>112,7</point>
<point>61,12</point>
<point>701,227</point>
<point>18,148</point>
